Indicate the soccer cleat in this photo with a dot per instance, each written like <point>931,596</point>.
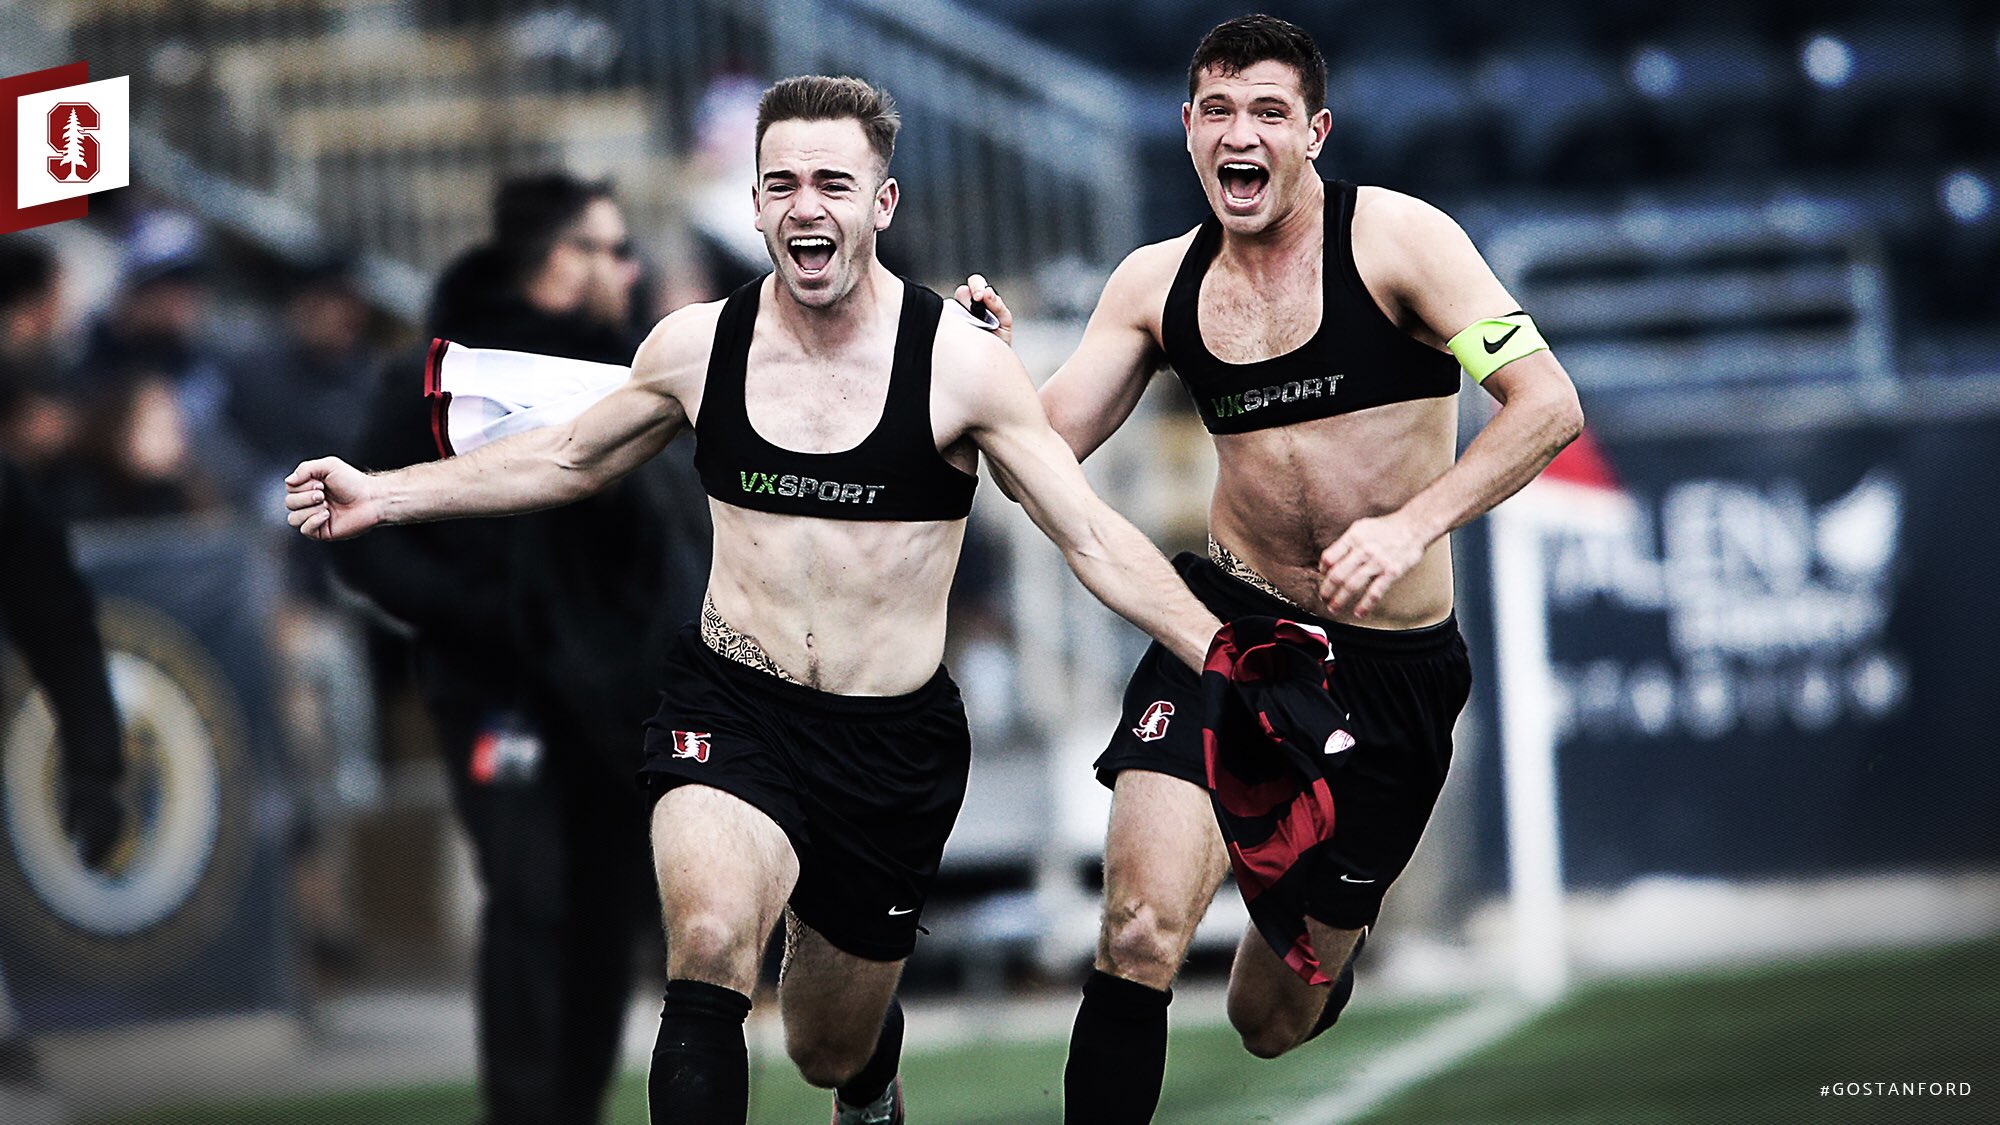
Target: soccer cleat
<point>885,1110</point>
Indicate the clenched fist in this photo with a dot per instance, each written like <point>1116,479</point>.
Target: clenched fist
<point>330,499</point>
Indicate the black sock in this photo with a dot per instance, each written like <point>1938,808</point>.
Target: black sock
<point>1343,991</point>
<point>701,1068</point>
<point>873,1078</point>
<point>1117,1054</point>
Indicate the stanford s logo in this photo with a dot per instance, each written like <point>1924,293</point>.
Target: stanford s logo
<point>66,138</point>
<point>691,744</point>
<point>73,138</point>
<point>1153,724</point>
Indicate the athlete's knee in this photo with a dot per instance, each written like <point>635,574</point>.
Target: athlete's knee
<point>826,1060</point>
<point>1263,1033</point>
<point>1143,943</point>
<point>1265,1045</point>
<point>1269,1028</point>
<point>714,947</point>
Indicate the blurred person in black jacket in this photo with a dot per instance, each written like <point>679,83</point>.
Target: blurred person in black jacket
<point>39,418</point>
<point>304,387</point>
<point>48,614</point>
<point>538,642</point>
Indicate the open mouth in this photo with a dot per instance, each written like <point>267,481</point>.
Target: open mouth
<point>812,253</point>
<point>1243,184</point>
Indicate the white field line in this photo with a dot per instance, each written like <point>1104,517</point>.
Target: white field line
<point>1382,1076</point>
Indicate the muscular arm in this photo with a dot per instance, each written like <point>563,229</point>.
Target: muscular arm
<point>1098,386</point>
<point>1436,279</point>
<point>329,499</point>
<point>1109,556</point>
<point>1538,416</point>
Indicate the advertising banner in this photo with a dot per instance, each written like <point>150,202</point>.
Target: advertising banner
<point>189,917</point>
<point>1776,663</point>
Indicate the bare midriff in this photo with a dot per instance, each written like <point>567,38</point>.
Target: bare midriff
<point>1283,495</point>
<point>852,607</point>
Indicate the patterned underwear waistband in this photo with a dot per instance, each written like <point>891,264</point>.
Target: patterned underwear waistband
<point>1238,569</point>
<point>739,647</point>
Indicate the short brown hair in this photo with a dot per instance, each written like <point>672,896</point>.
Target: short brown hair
<point>1236,46</point>
<point>817,97</point>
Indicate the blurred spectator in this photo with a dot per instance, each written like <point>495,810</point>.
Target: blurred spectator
<point>135,459</point>
<point>158,443</point>
<point>300,394</point>
<point>48,613</point>
<point>50,617</point>
<point>39,420</point>
<point>535,641</point>
<point>304,394</point>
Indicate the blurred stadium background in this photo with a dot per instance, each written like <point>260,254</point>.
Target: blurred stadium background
<point>1732,720</point>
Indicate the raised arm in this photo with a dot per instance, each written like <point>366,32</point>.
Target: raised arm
<point>47,610</point>
<point>1112,559</point>
<point>1446,293</point>
<point>330,499</point>
<point>1096,389</point>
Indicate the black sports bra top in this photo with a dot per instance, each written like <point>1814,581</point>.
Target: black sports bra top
<point>896,473</point>
<point>1356,360</point>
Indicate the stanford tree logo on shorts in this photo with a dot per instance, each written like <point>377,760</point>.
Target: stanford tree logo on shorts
<point>691,744</point>
<point>1153,724</point>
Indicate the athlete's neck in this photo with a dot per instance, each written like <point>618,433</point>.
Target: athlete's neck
<point>1296,235</point>
<point>850,318</point>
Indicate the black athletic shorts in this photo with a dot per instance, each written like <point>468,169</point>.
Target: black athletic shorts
<point>1403,690</point>
<point>865,787</point>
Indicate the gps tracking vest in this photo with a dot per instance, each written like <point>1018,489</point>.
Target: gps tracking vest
<point>896,473</point>
<point>1356,360</point>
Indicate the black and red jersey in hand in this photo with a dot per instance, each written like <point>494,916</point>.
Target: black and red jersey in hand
<point>1272,735</point>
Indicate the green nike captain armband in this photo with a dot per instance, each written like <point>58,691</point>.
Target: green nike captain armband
<point>1488,345</point>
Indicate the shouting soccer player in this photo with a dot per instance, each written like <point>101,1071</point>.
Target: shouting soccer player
<point>1320,328</point>
<point>809,749</point>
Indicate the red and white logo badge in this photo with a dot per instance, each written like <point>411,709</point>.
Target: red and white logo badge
<point>73,130</point>
<point>69,139</point>
<point>1153,724</point>
<point>691,744</point>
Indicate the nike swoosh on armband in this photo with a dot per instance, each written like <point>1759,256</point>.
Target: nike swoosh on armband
<point>1493,346</point>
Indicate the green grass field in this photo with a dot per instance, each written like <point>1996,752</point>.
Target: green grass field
<point>1749,1045</point>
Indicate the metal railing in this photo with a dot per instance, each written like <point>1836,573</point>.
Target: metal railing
<point>1699,297</point>
<point>386,122</point>
<point>1024,156</point>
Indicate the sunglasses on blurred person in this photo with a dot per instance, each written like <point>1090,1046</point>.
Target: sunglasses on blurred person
<point>622,250</point>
